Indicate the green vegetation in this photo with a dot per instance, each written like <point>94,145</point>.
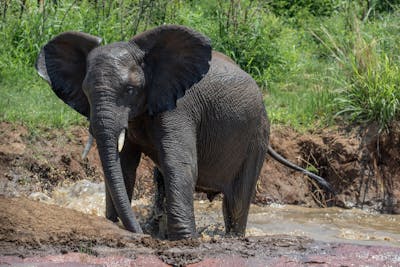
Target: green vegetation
<point>318,62</point>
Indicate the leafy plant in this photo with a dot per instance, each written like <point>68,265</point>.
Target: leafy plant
<point>312,59</point>
<point>370,78</point>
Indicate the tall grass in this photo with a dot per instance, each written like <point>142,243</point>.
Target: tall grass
<point>369,80</point>
<point>316,61</point>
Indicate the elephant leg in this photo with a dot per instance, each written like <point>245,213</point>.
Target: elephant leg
<point>159,202</point>
<point>157,223</point>
<point>179,204</point>
<point>178,163</point>
<point>237,199</point>
<point>130,158</point>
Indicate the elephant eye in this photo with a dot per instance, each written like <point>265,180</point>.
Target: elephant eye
<point>130,89</point>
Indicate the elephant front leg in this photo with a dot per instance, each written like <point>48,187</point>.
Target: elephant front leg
<point>179,168</point>
<point>130,158</point>
<point>179,188</point>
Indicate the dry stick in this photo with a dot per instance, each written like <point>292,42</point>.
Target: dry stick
<point>362,174</point>
<point>370,172</point>
<point>306,161</point>
<point>366,186</point>
<point>319,191</point>
<point>316,199</point>
<point>315,184</point>
<point>388,191</point>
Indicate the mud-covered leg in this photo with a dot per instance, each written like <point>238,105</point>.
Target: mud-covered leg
<point>237,200</point>
<point>130,157</point>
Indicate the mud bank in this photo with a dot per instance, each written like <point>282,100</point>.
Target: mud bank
<point>38,234</point>
<point>362,165</point>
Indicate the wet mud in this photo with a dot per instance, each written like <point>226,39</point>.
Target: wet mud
<point>37,233</point>
<point>361,164</point>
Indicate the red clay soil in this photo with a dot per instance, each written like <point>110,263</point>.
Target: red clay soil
<point>362,165</point>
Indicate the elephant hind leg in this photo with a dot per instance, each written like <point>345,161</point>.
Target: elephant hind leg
<point>156,224</point>
<point>237,198</point>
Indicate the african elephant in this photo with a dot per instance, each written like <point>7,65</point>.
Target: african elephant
<point>166,94</point>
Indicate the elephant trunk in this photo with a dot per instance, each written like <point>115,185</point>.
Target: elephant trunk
<point>107,129</point>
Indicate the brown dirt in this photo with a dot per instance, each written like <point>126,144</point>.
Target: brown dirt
<point>37,234</point>
<point>30,228</point>
<point>362,165</point>
<point>37,163</point>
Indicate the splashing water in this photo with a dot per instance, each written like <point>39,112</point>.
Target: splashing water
<point>329,224</point>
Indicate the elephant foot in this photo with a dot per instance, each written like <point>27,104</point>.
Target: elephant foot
<point>234,235</point>
<point>156,226</point>
<point>192,236</point>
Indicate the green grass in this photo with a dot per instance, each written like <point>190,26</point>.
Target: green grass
<point>25,98</point>
<point>373,94</point>
<point>314,70</point>
<point>369,80</point>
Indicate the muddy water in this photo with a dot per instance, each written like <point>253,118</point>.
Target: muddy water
<point>331,224</point>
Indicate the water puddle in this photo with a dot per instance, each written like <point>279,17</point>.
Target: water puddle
<point>330,224</point>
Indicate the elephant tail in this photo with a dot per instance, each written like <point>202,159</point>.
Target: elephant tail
<point>321,181</point>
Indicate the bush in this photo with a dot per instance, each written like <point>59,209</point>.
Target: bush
<point>310,57</point>
<point>369,81</point>
<point>310,7</point>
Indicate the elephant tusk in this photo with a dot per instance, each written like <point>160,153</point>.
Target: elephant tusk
<point>88,145</point>
<point>121,140</point>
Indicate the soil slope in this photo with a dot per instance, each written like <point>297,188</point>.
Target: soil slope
<point>362,166</point>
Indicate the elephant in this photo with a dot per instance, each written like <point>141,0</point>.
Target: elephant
<point>166,94</point>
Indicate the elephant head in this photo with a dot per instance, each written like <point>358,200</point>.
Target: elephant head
<point>115,83</point>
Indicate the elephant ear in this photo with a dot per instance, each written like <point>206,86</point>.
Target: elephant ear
<point>62,63</point>
<point>176,58</point>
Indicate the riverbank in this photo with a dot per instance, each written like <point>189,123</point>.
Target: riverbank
<point>35,166</point>
<point>37,234</point>
<point>361,164</point>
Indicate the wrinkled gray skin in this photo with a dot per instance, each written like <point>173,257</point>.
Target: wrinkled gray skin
<point>194,112</point>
